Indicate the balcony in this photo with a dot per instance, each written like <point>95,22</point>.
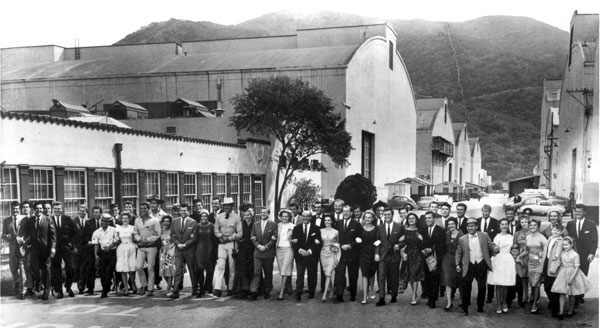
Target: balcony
<point>443,147</point>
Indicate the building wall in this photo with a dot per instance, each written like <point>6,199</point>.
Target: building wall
<point>382,103</point>
<point>550,99</point>
<point>476,164</point>
<point>423,155</point>
<point>245,44</point>
<point>442,127</point>
<point>462,158</point>
<point>120,51</point>
<point>17,57</point>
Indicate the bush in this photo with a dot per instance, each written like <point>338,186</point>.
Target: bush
<point>357,190</point>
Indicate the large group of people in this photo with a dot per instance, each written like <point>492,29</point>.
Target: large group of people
<point>228,252</point>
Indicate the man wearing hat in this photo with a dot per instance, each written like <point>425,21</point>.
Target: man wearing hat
<point>105,240</point>
<point>228,230</point>
<point>473,260</point>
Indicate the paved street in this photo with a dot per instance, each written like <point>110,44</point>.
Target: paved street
<point>158,311</point>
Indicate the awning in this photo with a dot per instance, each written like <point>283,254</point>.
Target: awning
<point>448,184</point>
<point>414,180</point>
<point>472,185</point>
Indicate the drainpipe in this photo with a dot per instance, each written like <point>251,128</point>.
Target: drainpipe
<point>118,148</point>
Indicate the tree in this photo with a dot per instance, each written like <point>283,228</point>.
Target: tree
<point>306,192</point>
<point>357,190</point>
<point>497,186</point>
<point>300,117</point>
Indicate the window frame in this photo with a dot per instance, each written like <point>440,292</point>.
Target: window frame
<point>7,201</point>
<point>188,197</point>
<point>136,198</point>
<point>98,201</point>
<point>148,184</point>
<point>68,208</point>
<point>206,196</point>
<point>33,188</point>
<point>168,198</point>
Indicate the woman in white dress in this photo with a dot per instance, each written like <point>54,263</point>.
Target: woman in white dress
<point>503,272</point>
<point>285,253</point>
<point>329,258</point>
<point>126,251</point>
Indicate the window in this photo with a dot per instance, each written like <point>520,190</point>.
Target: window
<point>104,190</point>
<point>171,190</point>
<point>9,192</point>
<point>189,188</point>
<point>221,186</point>
<point>42,184</point>
<point>152,184</point>
<point>130,188</point>
<point>391,55</point>
<point>171,130</point>
<point>75,191</point>
<point>258,193</point>
<point>246,189</point>
<point>207,190</point>
<point>367,155</point>
<point>235,190</point>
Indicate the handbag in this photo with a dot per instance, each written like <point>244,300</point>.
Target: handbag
<point>403,254</point>
<point>234,251</point>
<point>431,262</point>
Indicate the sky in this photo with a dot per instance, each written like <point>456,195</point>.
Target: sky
<point>61,22</point>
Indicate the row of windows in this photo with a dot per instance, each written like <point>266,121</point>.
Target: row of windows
<point>42,186</point>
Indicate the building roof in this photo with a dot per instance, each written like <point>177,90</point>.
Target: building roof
<point>130,105</point>
<point>413,180</point>
<point>101,120</point>
<point>201,108</point>
<point>457,128</point>
<point>318,57</point>
<point>473,142</point>
<point>71,107</point>
<point>427,110</point>
<point>111,128</point>
<point>433,103</point>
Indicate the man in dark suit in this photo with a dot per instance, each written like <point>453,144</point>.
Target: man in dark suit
<point>472,258</point>
<point>491,226</point>
<point>583,231</point>
<point>433,208</point>
<point>306,242</point>
<point>10,233</point>
<point>317,220</point>
<point>434,244</point>
<point>387,253</point>
<point>445,215</point>
<point>40,238</point>
<point>461,210</point>
<point>349,230</point>
<point>78,252</point>
<point>184,236</point>
<point>216,209</point>
<point>264,238</point>
<point>65,232</point>
<point>89,261</point>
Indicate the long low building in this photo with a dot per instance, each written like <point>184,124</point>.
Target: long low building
<point>49,158</point>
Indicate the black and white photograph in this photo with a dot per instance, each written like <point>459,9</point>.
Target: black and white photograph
<point>299,164</point>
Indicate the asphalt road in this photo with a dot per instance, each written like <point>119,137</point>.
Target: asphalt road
<point>158,311</point>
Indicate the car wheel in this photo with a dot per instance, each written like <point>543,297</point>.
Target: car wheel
<point>528,211</point>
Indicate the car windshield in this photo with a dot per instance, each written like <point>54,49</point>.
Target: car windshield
<point>426,198</point>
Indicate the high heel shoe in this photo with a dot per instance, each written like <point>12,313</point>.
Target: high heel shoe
<point>134,289</point>
<point>448,308</point>
<point>363,302</point>
<point>413,302</point>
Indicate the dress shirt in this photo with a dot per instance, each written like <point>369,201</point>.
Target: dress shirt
<point>475,254</point>
<point>579,225</point>
<point>484,224</point>
<point>105,238</point>
<point>306,230</point>
<point>228,224</point>
<point>512,228</point>
<point>430,231</point>
<point>338,216</point>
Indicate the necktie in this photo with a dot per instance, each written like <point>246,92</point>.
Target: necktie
<point>578,227</point>
<point>388,231</point>
<point>15,224</point>
<point>263,226</point>
<point>485,225</point>
<point>430,229</point>
<point>346,224</point>
<point>97,223</point>
<point>306,232</point>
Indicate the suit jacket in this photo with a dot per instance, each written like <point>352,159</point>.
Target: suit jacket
<point>443,222</point>
<point>493,227</point>
<point>462,226</point>
<point>78,225</point>
<point>264,238</point>
<point>10,232</point>
<point>44,236</point>
<point>437,243</point>
<point>555,251</point>
<point>348,237</point>
<point>421,223</point>
<point>65,231</point>
<point>88,230</point>
<point>317,220</point>
<point>587,241</point>
<point>463,251</point>
<point>385,249</point>
<point>314,234</point>
<point>184,234</point>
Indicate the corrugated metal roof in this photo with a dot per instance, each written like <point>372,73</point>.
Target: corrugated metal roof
<point>457,128</point>
<point>425,118</point>
<point>319,57</point>
<point>472,142</point>
<point>77,108</point>
<point>100,119</point>
<point>433,103</point>
<point>130,105</point>
<point>198,106</point>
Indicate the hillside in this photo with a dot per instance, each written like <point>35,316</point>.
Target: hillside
<point>502,61</point>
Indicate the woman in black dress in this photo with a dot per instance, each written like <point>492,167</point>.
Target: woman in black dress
<point>366,258</point>
<point>244,264</point>
<point>450,278</point>
<point>414,258</point>
<point>205,252</point>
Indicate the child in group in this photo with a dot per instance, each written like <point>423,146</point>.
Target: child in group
<point>570,280</point>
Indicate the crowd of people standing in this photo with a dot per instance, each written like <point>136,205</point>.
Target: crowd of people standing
<point>227,252</point>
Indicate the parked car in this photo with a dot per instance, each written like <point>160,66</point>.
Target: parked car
<point>398,202</point>
<point>524,201</point>
<point>541,207</point>
<point>444,199</point>
<point>424,202</point>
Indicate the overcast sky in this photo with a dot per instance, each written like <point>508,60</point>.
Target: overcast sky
<point>60,22</point>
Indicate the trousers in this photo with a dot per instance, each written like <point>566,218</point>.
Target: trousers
<point>224,255</point>
<point>146,255</point>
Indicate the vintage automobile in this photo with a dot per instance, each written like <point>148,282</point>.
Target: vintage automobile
<point>515,206</point>
<point>424,202</point>
<point>444,199</point>
<point>398,202</point>
<point>540,206</point>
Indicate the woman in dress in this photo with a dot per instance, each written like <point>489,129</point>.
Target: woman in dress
<point>536,246</point>
<point>167,253</point>
<point>503,272</point>
<point>244,264</point>
<point>126,252</point>
<point>329,236</point>
<point>570,280</point>
<point>555,219</point>
<point>285,253</point>
<point>205,252</point>
<point>413,241</point>
<point>521,261</point>
<point>451,278</point>
<point>366,257</point>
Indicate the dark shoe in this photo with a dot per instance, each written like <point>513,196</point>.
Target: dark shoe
<point>393,300</point>
<point>298,296</point>
<point>217,293</point>
<point>59,296</point>
<point>150,293</point>
<point>70,292</point>
<point>174,295</point>
<point>311,296</point>
<point>381,302</point>
<point>489,300</point>
<point>143,290</point>
<point>465,310</point>
<point>22,296</point>
<point>89,292</point>
<point>479,309</point>
<point>561,317</point>
<point>280,298</point>
<point>268,295</point>
<point>29,292</point>
<point>352,298</point>
<point>194,293</point>
<point>158,287</point>
<point>253,297</point>
<point>432,305</point>
<point>104,295</point>
<point>338,299</point>
<point>570,315</point>
<point>447,309</point>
